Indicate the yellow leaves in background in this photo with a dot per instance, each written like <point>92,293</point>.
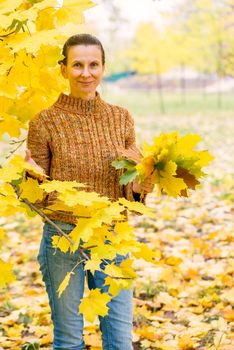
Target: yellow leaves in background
<point>186,343</point>
<point>95,304</point>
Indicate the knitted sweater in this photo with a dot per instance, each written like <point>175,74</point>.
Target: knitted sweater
<point>78,139</point>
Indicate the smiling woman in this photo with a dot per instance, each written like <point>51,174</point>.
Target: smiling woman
<point>77,139</point>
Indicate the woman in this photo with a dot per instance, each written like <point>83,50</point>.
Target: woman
<point>77,138</point>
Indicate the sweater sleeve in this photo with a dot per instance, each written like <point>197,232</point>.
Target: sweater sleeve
<point>38,141</point>
<point>130,143</point>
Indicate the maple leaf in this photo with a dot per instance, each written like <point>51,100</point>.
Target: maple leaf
<point>168,182</point>
<point>64,284</point>
<point>137,207</point>
<point>189,179</point>
<point>115,285</point>
<point>93,264</point>
<point>146,253</point>
<point>10,124</point>
<point>6,274</point>
<point>31,190</point>
<point>94,305</point>
<point>61,242</point>
<point>61,186</point>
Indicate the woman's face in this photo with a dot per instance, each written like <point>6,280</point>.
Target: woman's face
<point>84,70</point>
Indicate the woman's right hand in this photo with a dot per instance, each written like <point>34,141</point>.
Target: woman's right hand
<point>29,160</point>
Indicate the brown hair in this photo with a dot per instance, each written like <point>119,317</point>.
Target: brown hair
<point>81,39</point>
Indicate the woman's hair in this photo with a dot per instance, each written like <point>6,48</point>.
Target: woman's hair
<point>81,39</point>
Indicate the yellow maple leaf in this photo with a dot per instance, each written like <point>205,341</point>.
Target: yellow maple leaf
<point>204,158</point>
<point>6,7</point>
<point>83,230</point>
<point>146,253</point>
<point>2,233</point>
<point>127,270</point>
<point>108,213</point>
<point>10,124</point>
<point>61,186</point>
<point>186,144</point>
<point>31,190</point>
<point>93,264</point>
<point>72,11</point>
<point>115,285</point>
<point>137,207</point>
<point>61,242</point>
<point>95,304</point>
<point>113,270</point>
<point>72,198</point>
<point>186,343</point>
<point>167,181</point>
<point>6,274</point>
<point>173,260</point>
<point>123,231</point>
<point>64,284</point>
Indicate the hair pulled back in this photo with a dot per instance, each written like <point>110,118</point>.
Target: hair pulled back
<point>81,39</point>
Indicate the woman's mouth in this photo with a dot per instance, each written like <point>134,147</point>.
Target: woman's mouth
<point>85,82</point>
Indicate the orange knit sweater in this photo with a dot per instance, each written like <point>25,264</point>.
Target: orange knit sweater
<point>78,139</point>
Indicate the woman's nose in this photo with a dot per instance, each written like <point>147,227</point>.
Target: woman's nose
<point>85,72</point>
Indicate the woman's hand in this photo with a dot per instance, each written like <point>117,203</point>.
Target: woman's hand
<point>29,160</point>
<point>145,186</point>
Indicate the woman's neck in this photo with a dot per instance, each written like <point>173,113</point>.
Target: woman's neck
<point>90,96</point>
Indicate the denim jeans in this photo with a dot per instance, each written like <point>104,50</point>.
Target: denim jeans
<point>116,327</point>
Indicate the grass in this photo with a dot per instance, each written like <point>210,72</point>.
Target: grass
<point>146,102</point>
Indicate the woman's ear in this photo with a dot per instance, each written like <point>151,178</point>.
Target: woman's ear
<point>63,70</point>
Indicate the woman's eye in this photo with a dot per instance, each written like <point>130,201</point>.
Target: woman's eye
<point>77,64</point>
<point>94,64</point>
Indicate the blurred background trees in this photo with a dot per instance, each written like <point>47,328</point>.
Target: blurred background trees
<point>191,49</point>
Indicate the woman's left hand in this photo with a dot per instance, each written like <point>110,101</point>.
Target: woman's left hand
<point>145,186</point>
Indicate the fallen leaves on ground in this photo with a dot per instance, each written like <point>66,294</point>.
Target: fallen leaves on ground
<point>185,301</point>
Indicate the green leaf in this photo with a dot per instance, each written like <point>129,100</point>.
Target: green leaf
<point>123,163</point>
<point>127,177</point>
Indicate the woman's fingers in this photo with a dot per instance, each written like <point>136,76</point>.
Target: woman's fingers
<point>30,161</point>
<point>27,154</point>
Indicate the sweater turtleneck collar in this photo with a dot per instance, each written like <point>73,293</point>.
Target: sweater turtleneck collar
<point>79,105</point>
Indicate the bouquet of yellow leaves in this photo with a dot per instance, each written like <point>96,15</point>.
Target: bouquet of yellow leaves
<point>171,163</point>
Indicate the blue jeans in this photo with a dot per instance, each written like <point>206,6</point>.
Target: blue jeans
<point>116,327</point>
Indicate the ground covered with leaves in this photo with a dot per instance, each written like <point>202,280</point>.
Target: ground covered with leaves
<point>186,301</point>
